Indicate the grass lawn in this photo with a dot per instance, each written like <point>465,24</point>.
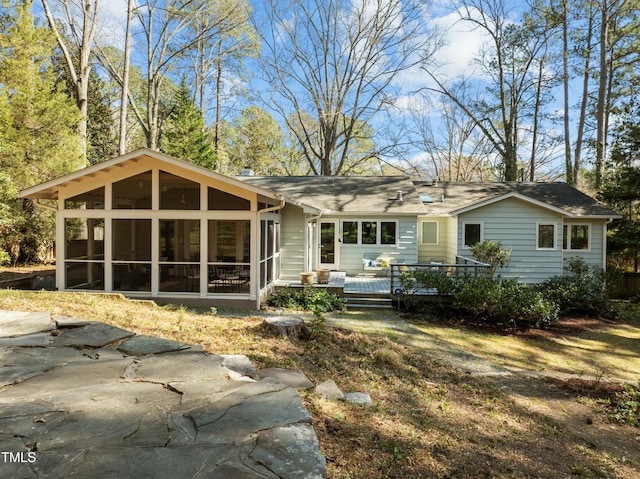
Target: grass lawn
<point>429,419</point>
<point>584,346</point>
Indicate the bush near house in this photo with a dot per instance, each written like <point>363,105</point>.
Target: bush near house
<point>309,298</point>
<point>506,302</point>
<point>479,299</point>
<point>582,290</point>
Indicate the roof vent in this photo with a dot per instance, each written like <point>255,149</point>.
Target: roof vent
<point>247,171</point>
<point>399,196</point>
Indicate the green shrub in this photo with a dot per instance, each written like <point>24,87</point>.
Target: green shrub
<point>413,282</point>
<point>491,252</point>
<point>309,298</point>
<point>5,259</point>
<point>477,298</point>
<point>582,290</point>
<point>504,302</point>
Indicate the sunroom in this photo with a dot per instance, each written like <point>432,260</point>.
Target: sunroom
<point>151,226</point>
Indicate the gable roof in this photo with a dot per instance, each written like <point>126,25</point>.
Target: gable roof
<point>346,194</point>
<point>453,198</point>
<point>49,190</point>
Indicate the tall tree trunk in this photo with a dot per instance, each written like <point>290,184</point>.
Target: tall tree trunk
<point>83,44</point>
<point>569,175</point>
<point>577,159</point>
<point>601,110</point>
<point>216,134</point>
<point>124,98</point>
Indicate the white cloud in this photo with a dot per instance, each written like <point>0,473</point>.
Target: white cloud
<point>113,22</point>
<point>462,45</point>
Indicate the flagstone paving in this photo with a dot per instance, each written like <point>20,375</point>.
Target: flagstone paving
<point>87,400</point>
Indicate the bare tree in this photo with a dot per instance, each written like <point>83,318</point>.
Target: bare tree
<point>336,61</point>
<point>81,18</point>
<point>453,149</point>
<point>510,69</point>
<point>163,28</point>
<point>224,38</point>
<point>124,100</point>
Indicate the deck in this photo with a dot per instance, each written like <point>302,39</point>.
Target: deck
<point>342,284</point>
<point>374,291</point>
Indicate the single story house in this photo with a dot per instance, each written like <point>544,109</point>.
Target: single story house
<point>152,226</point>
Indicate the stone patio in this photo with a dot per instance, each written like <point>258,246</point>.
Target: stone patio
<point>84,399</point>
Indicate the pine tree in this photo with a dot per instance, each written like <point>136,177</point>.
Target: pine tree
<point>183,135</point>
<point>621,191</point>
<point>38,119</point>
<point>37,136</point>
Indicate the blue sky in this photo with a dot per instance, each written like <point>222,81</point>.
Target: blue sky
<point>455,57</point>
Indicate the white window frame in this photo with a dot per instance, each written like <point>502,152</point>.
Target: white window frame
<point>464,235</point>
<point>422,241</point>
<point>378,232</point>
<point>555,236</point>
<point>569,226</point>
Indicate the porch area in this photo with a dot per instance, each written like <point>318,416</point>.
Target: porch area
<point>380,292</point>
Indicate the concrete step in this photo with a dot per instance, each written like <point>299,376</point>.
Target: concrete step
<point>368,302</point>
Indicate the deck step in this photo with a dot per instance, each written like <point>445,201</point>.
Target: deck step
<point>368,302</point>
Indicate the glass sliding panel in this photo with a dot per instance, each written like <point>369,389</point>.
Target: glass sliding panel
<point>221,200</point>
<point>91,200</point>
<point>229,260</point>
<point>179,244</point>
<point>131,255</point>
<point>84,253</point>
<point>178,193</point>
<point>327,243</point>
<point>133,193</point>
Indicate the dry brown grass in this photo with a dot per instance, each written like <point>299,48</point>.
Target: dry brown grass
<point>429,420</point>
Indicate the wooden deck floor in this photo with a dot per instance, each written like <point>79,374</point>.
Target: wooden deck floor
<point>348,284</point>
<point>367,285</point>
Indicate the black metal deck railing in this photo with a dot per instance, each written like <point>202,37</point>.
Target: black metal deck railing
<point>462,267</point>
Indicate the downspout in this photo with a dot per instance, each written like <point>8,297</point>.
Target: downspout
<point>271,209</point>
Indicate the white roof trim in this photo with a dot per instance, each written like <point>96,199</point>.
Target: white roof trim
<point>512,194</point>
<point>105,165</point>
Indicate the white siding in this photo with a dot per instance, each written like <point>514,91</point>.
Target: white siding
<point>445,250</point>
<point>405,250</point>
<point>514,222</point>
<point>292,232</point>
<point>594,255</point>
